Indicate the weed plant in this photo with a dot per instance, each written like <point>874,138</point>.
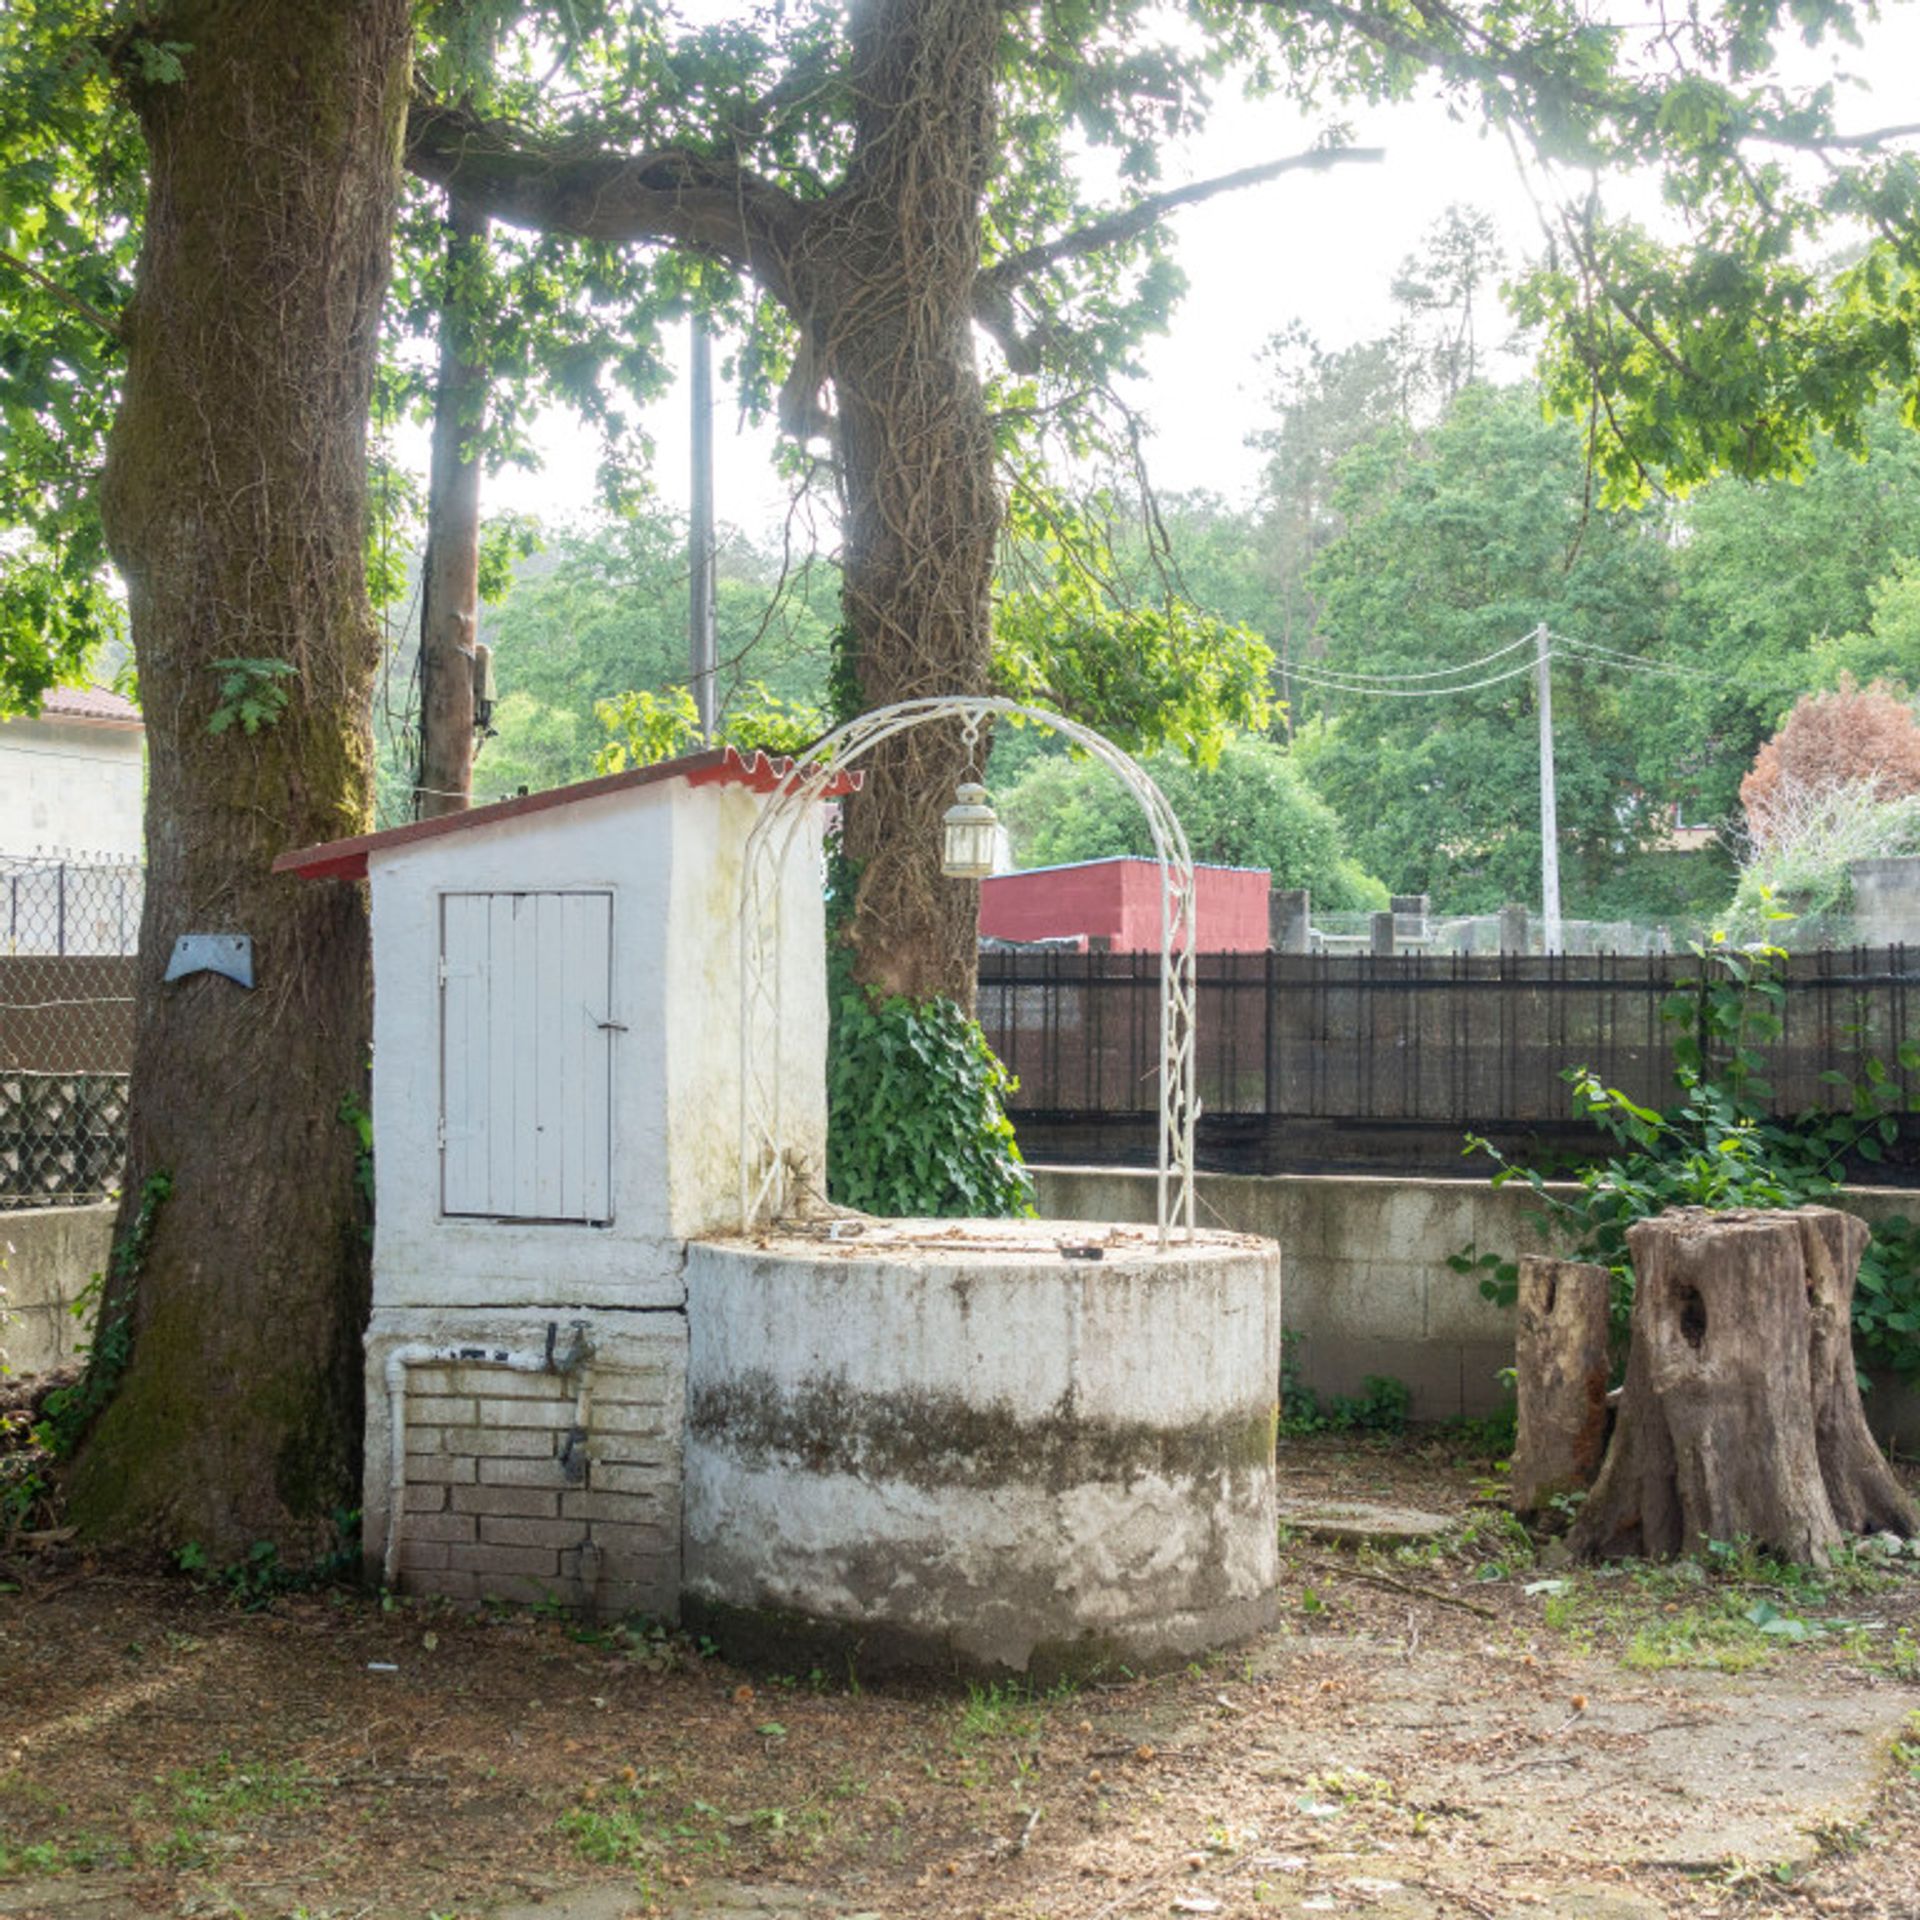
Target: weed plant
<point>1719,1147</point>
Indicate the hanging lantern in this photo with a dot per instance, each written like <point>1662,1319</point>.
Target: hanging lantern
<point>968,833</point>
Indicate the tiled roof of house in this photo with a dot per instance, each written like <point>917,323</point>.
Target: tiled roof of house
<point>89,703</point>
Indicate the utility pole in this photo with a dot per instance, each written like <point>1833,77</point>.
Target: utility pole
<point>700,638</point>
<point>1549,815</point>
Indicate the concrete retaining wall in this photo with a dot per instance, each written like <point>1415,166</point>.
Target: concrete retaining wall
<point>1368,1285</point>
<point>1886,900</point>
<point>947,1444</point>
<point>50,1254</point>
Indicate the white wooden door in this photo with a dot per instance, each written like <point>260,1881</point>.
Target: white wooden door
<point>526,1055</point>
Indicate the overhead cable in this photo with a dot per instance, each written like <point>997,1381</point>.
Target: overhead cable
<point>1612,656</point>
<point>1408,693</point>
<point>1435,673</point>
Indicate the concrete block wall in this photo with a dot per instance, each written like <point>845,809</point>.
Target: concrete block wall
<point>47,1256</point>
<point>503,1499</point>
<point>1368,1286</point>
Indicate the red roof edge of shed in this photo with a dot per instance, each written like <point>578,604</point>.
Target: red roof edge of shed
<point>713,767</point>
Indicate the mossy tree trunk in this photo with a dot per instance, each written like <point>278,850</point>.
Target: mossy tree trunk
<point>234,499</point>
<point>886,280</point>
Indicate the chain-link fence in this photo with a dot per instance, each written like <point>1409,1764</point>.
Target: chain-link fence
<point>68,933</point>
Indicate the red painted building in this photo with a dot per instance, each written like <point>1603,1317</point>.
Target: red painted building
<point>1117,902</point>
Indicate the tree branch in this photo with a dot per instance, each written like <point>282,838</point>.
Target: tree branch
<point>71,301</point>
<point>675,195</point>
<point>1454,42</point>
<point>1111,229</point>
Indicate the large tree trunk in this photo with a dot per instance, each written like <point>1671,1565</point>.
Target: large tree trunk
<point>234,498</point>
<point>886,284</point>
<point>450,573</point>
<point>1740,1418</point>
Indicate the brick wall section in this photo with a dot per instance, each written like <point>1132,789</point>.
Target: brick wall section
<point>503,1502</point>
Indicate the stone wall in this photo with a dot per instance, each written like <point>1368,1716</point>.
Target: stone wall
<point>1886,900</point>
<point>50,1253</point>
<point>1368,1288</point>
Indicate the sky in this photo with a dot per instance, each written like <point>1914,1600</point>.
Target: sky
<point>1317,247</point>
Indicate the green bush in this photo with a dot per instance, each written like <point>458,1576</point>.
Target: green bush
<point>1804,863</point>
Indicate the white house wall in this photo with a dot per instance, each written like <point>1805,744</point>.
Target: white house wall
<point>70,790</point>
<point>668,856</point>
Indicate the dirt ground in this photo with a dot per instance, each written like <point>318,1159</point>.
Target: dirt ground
<point>1450,1730</point>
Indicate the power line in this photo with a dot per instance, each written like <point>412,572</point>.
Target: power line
<point>1408,693</point>
<point>1436,673</point>
<point>1612,656</point>
<point>1397,686</point>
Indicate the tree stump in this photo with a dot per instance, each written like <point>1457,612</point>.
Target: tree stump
<point>1561,1368</point>
<point>1741,1417</point>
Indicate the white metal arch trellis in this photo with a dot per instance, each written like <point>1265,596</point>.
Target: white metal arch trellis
<point>765,1170</point>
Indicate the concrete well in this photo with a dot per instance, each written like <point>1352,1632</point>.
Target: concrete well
<point>952,1444</point>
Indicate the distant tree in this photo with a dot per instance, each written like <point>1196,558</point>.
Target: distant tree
<point>1251,809</point>
<point>1779,586</point>
<point>604,612</point>
<point>1326,403</point>
<point>532,746</point>
<point>1446,289</point>
<point>1888,641</point>
<point>1853,737</point>
<point>1459,542</point>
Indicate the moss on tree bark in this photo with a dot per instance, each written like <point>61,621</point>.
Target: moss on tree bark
<point>234,504</point>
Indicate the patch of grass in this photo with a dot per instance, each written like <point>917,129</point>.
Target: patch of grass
<point>48,1859</point>
<point>203,1804</point>
<point>1695,1638</point>
<point>1492,1538</point>
<point>1902,1659</point>
<point>222,1793</point>
<point>630,1823</point>
<point>1732,1609</point>
<point>1906,1753</point>
<point>1005,1710</point>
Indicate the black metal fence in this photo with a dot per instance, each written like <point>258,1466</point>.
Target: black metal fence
<point>68,933</point>
<point>1325,1061</point>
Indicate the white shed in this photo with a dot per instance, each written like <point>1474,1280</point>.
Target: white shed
<point>556,1114</point>
<point>1010,1446</point>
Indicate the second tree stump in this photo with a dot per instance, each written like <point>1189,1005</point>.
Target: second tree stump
<point>1561,1370</point>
